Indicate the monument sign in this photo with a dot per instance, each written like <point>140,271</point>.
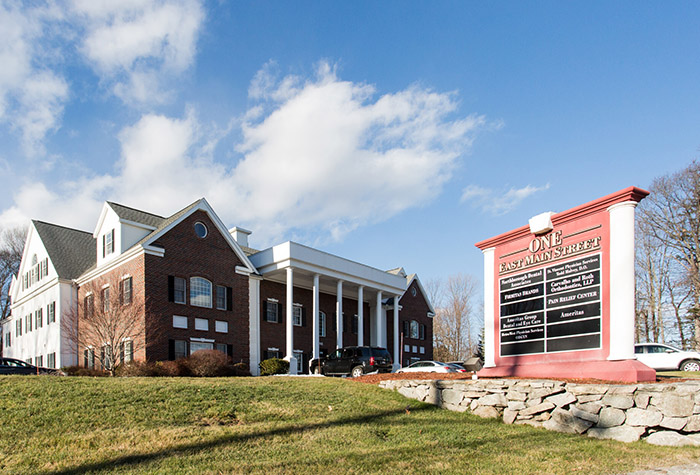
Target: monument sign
<point>559,294</point>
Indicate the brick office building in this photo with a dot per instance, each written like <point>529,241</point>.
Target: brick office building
<point>206,289</point>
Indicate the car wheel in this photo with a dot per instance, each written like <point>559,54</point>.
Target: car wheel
<point>690,365</point>
<point>356,372</point>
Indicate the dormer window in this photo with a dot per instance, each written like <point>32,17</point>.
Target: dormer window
<point>108,243</point>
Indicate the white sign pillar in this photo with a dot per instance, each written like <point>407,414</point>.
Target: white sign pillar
<point>379,320</point>
<point>489,316</point>
<point>622,284</point>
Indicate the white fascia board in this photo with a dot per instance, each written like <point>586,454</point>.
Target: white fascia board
<point>154,250</point>
<point>203,205</point>
<point>137,225</point>
<point>425,294</point>
<point>298,256</point>
<point>103,214</point>
<point>123,258</point>
<point>36,291</point>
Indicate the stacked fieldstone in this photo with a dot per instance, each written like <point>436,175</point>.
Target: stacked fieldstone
<point>664,414</point>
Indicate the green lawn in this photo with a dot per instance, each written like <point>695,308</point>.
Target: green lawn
<point>301,425</point>
<point>679,374</point>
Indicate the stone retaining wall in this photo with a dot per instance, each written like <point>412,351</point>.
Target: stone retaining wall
<point>662,413</point>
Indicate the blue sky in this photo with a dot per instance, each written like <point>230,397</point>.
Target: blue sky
<point>392,133</point>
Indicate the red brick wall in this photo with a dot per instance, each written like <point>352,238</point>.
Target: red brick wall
<point>186,256</point>
<point>134,268</point>
<point>413,308</point>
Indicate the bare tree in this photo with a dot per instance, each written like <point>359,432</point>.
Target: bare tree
<point>672,215</point>
<point>456,325</point>
<point>11,247</point>
<point>108,324</point>
<point>652,264</point>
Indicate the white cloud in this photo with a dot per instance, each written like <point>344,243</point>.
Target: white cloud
<point>32,97</point>
<point>318,157</point>
<point>497,202</point>
<point>136,45</point>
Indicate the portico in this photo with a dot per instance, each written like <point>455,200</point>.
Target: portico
<point>301,269</point>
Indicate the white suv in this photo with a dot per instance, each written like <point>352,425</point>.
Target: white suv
<point>664,357</point>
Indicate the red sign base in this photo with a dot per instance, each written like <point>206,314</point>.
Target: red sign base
<point>628,371</point>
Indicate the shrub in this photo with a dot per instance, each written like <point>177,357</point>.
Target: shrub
<point>240,369</point>
<point>172,368</point>
<point>81,371</point>
<point>273,366</point>
<point>136,368</point>
<point>208,363</point>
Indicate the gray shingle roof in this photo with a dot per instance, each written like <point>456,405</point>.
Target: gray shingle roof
<point>165,222</point>
<point>138,216</point>
<point>72,252</point>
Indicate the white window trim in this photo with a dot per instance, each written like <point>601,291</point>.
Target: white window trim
<point>179,317</point>
<point>216,326</point>
<point>301,315</point>
<point>200,320</point>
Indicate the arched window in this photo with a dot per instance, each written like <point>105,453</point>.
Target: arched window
<point>200,292</point>
<point>414,329</point>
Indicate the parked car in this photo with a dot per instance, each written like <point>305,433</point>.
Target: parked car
<point>354,361</point>
<point>458,367</point>
<point>665,357</point>
<point>14,366</point>
<point>427,367</point>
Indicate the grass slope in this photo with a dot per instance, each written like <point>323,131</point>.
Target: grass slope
<point>300,425</point>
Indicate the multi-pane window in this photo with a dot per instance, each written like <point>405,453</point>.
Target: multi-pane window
<point>221,297</point>
<point>8,340</point>
<point>272,311</point>
<point>179,321</point>
<point>272,353</point>
<point>298,316</point>
<point>222,347</point>
<point>201,324</point>
<point>221,326</point>
<point>40,361</point>
<point>89,305</point>
<point>179,289</point>
<point>180,349</point>
<point>126,352</point>
<point>28,323</point>
<point>422,331</point>
<point>355,323</point>
<point>89,358</point>
<point>105,299</point>
<point>51,313</point>
<point>200,345</point>
<point>18,327</point>
<point>51,360</point>
<point>321,324</point>
<point>299,355</point>
<point>39,318</point>
<point>106,356</point>
<point>108,243</point>
<point>125,291</point>
<point>414,329</point>
<point>200,292</point>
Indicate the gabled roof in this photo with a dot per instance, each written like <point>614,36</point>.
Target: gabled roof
<point>135,215</point>
<point>72,252</point>
<point>166,222</point>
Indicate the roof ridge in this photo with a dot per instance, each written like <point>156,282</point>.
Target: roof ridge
<point>60,226</point>
<point>135,209</point>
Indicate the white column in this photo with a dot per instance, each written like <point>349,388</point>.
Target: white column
<point>379,320</point>
<point>339,315</point>
<point>290,323</point>
<point>397,354</point>
<point>360,317</point>
<point>254,323</point>
<point>316,343</point>
<point>621,281</point>
<point>489,315</point>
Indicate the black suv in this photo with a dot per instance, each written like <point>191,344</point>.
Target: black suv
<point>354,361</point>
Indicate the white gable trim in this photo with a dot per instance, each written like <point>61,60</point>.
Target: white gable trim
<point>103,214</point>
<point>203,205</point>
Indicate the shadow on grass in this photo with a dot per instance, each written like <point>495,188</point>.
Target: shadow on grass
<point>142,458</point>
